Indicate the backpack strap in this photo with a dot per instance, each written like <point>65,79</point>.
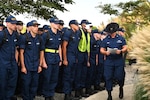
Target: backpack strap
<point>47,37</point>
<point>5,38</point>
<point>27,38</point>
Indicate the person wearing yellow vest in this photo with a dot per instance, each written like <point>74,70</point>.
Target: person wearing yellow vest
<point>83,59</point>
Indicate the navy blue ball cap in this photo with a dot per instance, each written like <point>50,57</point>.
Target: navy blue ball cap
<point>95,31</point>
<point>112,27</point>
<point>61,22</point>
<point>73,22</point>
<point>19,23</point>
<point>54,20</point>
<point>34,22</point>
<point>45,27</point>
<point>121,29</point>
<point>11,19</point>
<point>28,24</point>
<point>85,22</point>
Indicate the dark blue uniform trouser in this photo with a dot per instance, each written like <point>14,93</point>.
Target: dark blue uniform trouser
<point>59,87</point>
<point>50,79</point>
<point>97,74</point>
<point>81,71</point>
<point>111,72</point>
<point>29,85</point>
<point>90,71</point>
<point>68,77</point>
<point>8,81</point>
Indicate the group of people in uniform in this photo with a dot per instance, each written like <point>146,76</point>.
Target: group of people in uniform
<point>59,59</point>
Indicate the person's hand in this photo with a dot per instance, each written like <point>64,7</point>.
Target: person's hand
<point>118,51</point>
<point>24,70</point>
<point>39,69</point>
<point>44,65</point>
<point>60,63</point>
<point>96,62</point>
<point>107,53</point>
<point>88,64</point>
<point>65,62</point>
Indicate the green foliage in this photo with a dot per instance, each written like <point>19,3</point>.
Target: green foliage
<point>139,92</point>
<point>38,8</point>
<point>135,13</point>
<point>108,9</point>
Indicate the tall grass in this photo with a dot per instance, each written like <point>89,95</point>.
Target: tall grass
<point>139,45</point>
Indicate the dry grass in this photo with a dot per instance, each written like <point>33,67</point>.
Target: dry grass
<point>139,45</point>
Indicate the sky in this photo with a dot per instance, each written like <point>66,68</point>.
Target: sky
<point>81,9</point>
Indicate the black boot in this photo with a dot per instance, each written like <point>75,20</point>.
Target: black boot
<point>68,97</point>
<point>99,88</point>
<point>47,98</point>
<point>109,95</point>
<point>121,92</point>
<point>14,98</point>
<point>77,95</point>
<point>89,91</point>
<point>84,94</point>
<point>52,98</point>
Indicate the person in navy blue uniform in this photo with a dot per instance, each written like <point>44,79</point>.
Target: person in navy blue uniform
<point>28,27</point>
<point>61,25</point>
<point>112,47</point>
<point>31,57</point>
<point>70,48</point>
<point>121,32</point>
<point>8,65</point>
<point>59,87</point>
<point>1,25</point>
<point>96,61</point>
<point>19,26</point>
<point>52,59</point>
<point>93,62</point>
<point>45,28</point>
<point>83,59</point>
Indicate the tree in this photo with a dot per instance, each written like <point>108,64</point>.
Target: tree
<point>38,8</point>
<point>133,13</point>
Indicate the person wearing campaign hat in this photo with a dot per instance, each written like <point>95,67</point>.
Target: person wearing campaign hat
<point>8,65</point>
<point>1,25</point>
<point>31,57</point>
<point>112,47</point>
<point>52,59</point>
<point>70,43</point>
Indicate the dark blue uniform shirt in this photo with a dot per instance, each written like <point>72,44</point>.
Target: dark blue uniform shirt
<point>73,40</point>
<point>32,47</point>
<point>8,47</point>
<point>53,42</point>
<point>93,45</point>
<point>100,55</point>
<point>117,42</point>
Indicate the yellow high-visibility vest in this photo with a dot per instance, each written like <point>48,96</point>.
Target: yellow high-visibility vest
<point>84,45</point>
